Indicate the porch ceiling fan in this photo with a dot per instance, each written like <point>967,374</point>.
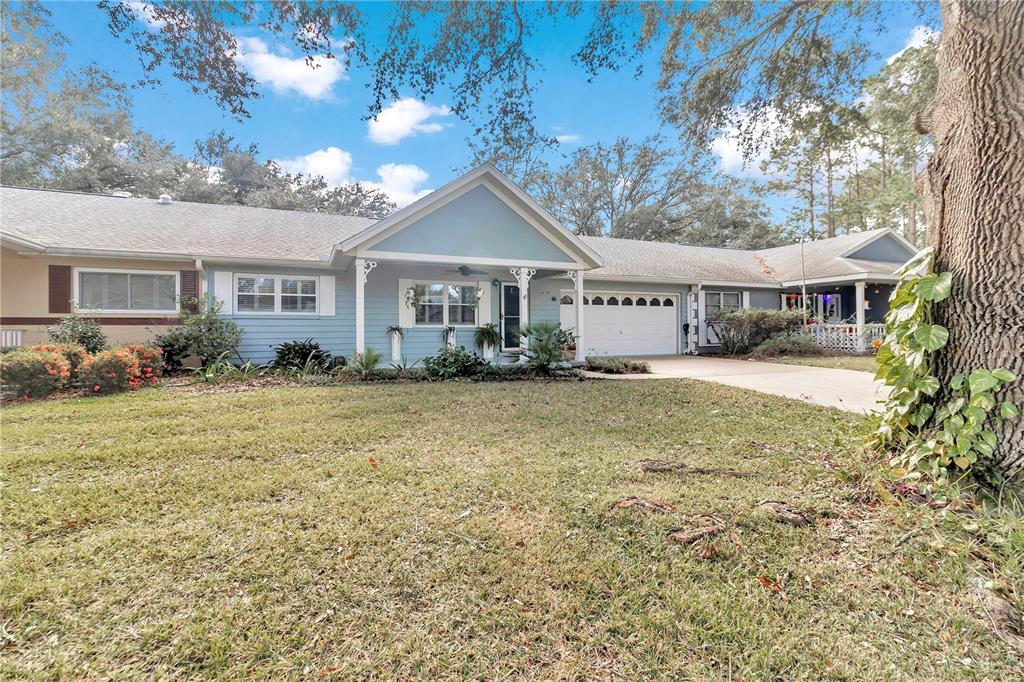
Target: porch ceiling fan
<point>466,271</point>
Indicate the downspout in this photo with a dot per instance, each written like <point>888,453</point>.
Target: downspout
<point>692,301</point>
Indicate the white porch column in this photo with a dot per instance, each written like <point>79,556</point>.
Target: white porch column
<point>577,279</point>
<point>861,346</point>
<point>523,275</point>
<point>363,268</point>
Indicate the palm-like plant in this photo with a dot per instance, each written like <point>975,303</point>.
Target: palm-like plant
<point>487,335</point>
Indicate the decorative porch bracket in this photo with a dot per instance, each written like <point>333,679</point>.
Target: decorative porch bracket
<point>523,276</point>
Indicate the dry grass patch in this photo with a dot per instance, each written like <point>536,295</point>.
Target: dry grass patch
<point>463,531</point>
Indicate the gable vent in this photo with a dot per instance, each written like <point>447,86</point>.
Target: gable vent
<point>164,200</point>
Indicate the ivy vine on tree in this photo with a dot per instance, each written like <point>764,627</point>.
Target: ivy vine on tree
<point>927,439</point>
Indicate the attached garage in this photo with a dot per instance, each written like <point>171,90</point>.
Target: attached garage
<point>626,322</point>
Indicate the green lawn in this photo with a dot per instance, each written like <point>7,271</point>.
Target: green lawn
<point>861,363</point>
<point>464,531</point>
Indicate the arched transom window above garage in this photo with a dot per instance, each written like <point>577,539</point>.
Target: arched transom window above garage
<point>620,298</point>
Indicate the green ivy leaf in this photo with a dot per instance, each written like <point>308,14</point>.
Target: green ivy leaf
<point>1004,375</point>
<point>1008,410</point>
<point>957,382</point>
<point>928,385</point>
<point>989,438</point>
<point>984,448</point>
<point>931,336</point>
<point>962,462</point>
<point>935,287</point>
<point>981,380</point>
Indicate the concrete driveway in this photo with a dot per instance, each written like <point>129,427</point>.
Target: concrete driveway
<point>843,388</point>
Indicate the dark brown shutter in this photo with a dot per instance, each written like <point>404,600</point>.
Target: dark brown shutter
<point>189,289</point>
<point>60,288</point>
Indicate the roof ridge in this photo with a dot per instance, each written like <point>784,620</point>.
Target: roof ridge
<point>188,203</point>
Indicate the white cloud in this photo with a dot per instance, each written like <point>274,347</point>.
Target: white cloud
<point>333,164</point>
<point>919,35</point>
<point>403,118</point>
<point>144,12</point>
<point>285,74</point>
<point>401,182</point>
<point>567,138</point>
<point>730,155</point>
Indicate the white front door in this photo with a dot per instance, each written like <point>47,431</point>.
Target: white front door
<point>625,323</point>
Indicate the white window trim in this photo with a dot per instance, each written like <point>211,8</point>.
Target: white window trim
<point>277,296</point>
<point>76,284</point>
<point>446,284</point>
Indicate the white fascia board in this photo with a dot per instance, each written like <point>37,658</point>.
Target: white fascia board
<point>887,232</point>
<point>22,243</point>
<point>845,279</point>
<point>419,208</point>
<point>435,259</point>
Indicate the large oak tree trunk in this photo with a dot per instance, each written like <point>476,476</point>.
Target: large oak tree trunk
<point>973,194</point>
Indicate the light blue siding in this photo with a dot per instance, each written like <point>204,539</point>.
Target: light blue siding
<point>886,249</point>
<point>260,333</point>
<point>479,224</point>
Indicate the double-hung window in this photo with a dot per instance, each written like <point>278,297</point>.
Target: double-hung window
<point>285,294</point>
<point>127,291</point>
<point>446,303</point>
<point>721,300</point>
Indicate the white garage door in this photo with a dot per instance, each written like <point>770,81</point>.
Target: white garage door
<point>622,323</point>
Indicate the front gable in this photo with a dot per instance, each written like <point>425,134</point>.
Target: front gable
<point>886,248</point>
<point>480,217</point>
<point>476,223</point>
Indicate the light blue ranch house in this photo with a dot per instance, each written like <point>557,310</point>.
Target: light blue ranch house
<point>477,251</point>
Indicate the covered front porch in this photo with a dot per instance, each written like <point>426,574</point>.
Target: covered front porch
<point>410,310</point>
<point>842,316</point>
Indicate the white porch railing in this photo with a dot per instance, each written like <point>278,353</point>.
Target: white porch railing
<point>844,337</point>
<point>10,338</point>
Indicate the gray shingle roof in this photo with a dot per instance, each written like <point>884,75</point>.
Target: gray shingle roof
<point>822,258</point>
<point>632,258</point>
<point>75,220</point>
<point>95,221</point>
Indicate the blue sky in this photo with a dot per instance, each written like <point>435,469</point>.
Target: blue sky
<point>312,120</point>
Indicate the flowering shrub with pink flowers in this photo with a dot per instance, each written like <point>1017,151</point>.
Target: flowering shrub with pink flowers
<point>72,352</point>
<point>33,373</point>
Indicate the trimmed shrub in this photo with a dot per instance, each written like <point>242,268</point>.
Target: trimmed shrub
<point>450,363</point>
<point>791,344</point>
<point>301,355</point>
<point>82,331</point>
<point>111,371</point>
<point>174,346</point>
<point>75,355</point>
<point>33,373</point>
<point>613,365</point>
<point>741,330</point>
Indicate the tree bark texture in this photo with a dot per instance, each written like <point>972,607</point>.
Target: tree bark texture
<point>973,195</point>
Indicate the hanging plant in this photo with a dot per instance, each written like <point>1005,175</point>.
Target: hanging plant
<point>412,297</point>
<point>447,333</point>
<point>478,295</point>
<point>927,438</point>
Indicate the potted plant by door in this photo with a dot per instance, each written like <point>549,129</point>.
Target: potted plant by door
<point>487,338</point>
<point>396,333</point>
